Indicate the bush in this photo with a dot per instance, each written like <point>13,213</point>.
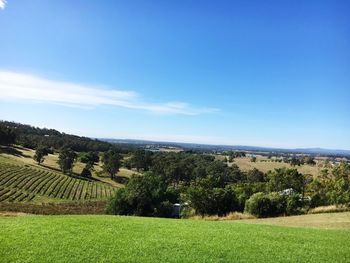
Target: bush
<point>293,204</point>
<point>265,205</point>
<point>145,195</point>
<point>212,201</point>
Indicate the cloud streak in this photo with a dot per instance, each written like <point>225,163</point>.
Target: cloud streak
<point>3,4</point>
<point>28,87</point>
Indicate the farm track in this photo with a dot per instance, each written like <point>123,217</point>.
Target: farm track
<point>24,183</point>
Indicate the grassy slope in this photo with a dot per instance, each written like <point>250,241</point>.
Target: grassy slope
<point>25,162</point>
<point>132,239</point>
<point>50,163</point>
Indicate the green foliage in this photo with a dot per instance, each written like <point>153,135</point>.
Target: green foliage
<point>244,191</point>
<point>33,137</point>
<point>40,154</point>
<point>145,195</point>
<point>232,155</point>
<point>255,176</point>
<point>141,159</point>
<point>293,204</point>
<point>7,135</point>
<point>265,205</point>
<point>66,160</point>
<point>212,201</point>
<point>89,157</point>
<point>86,172</point>
<point>284,178</point>
<point>111,162</point>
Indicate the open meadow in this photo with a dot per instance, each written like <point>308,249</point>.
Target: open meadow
<point>264,164</point>
<point>90,238</point>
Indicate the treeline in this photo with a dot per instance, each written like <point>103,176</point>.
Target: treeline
<point>211,187</point>
<point>33,137</point>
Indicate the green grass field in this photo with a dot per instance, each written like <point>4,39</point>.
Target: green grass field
<point>135,239</point>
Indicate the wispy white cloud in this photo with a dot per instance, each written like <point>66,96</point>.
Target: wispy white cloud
<point>3,4</point>
<point>21,86</point>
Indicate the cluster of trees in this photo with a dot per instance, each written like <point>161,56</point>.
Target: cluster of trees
<point>33,137</point>
<point>233,154</point>
<point>213,188</point>
<point>332,187</point>
<point>297,161</point>
<point>7,135</point>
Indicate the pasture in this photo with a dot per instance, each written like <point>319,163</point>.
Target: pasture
<point>264,164</point>
<point>135,239</point>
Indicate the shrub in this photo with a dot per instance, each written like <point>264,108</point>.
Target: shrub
<point>212,201</point>
<point>145,195</point>
<point>265,205</point>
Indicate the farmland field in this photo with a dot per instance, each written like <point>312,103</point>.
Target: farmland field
<point>135,239</point>
<point>23,183</point>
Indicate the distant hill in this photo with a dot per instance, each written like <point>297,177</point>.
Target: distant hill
<point>208,147</point>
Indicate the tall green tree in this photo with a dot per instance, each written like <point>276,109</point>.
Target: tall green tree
<point>66,160</point>
<point>7,135</point>
<point>283,178</point>
<point>111,162</point>
<point>40,154</point>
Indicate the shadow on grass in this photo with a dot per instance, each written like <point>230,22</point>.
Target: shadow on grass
<point>121,179</point>
<point>13,151</point>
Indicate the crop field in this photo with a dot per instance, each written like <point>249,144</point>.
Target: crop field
<point>134,239</point>
<point>20,183</point>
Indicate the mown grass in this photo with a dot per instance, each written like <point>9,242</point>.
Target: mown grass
<point>133,239</point>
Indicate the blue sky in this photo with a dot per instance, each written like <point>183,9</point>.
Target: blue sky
<point>264,73</point>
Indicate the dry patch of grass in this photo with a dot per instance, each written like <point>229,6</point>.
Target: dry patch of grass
<point>7,213</point>
<point>325,221</point>
<point>329,209</point>
<point>230,216</point>
<point>264,164</point>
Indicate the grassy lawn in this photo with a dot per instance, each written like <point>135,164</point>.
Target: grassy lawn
<point>133,239</point>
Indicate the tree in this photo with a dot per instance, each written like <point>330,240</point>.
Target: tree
<point>86,172</point>
<point>143,195</point>
<point>89,157</point>
<point>66,160</point>
<point>295,161</point>
<point>283,178</point>
<point>255,175</point>
<point>141,159</point>
<point>111,162</point>
<point>40,154</point>
<point>207,200</point>
<point>7,135</point>
<point>253,159</point>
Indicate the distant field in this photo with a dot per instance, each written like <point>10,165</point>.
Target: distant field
<point>245,164</point>
<point>135,239</point>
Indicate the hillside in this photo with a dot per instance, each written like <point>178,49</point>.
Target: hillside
<point>22,180</point>
<point>136,239</point>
